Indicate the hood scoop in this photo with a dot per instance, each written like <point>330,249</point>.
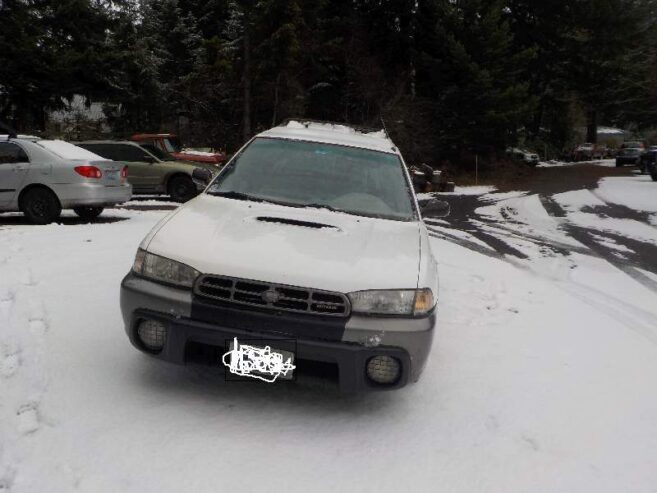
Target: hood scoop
<point>294,222</point>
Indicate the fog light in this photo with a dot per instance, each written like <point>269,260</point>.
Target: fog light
<point>152,334</point>
<point>383,369</point>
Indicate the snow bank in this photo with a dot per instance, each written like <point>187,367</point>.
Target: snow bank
<point>608,163</point>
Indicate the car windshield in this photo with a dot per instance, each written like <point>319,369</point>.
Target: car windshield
<point>173,144</point>
<point>309,174</point>
<point>158,153</point>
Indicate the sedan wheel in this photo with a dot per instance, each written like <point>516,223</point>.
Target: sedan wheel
<point>40,206</point>
<point>88,213</point>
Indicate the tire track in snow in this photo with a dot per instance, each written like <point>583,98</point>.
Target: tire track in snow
<point>640,321</point>
<point>585,237</point>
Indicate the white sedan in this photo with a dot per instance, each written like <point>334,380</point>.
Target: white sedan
<point>42,177</point>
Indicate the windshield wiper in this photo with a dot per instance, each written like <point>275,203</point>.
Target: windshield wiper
<point>237,195</point>
<point>322,206</point>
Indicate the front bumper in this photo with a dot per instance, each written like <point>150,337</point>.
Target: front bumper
<point>409,341</point>
<point>92,194</point>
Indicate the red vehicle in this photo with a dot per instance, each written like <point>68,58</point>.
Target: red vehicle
<point>171,144</point>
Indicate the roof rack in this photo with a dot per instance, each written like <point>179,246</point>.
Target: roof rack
<point>358,128</point>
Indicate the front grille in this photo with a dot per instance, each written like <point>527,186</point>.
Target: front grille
<point>272,296</point>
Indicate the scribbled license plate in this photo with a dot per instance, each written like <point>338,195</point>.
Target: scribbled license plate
<point>259,361</point>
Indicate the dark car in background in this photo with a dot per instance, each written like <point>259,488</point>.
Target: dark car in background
<point>647,157</point>
<point>649,162</point>
<point>629,155</point>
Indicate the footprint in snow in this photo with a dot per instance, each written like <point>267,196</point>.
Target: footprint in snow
<point>6,304</point>
<point>28,278</point>
<point>37,317</point>
<point>10,360</point>
<point>7,479</point>
<point>38,327</point>
<point>28,418</point>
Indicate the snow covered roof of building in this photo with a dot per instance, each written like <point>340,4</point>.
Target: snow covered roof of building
<point>610,131</point>
<point>332,133</point>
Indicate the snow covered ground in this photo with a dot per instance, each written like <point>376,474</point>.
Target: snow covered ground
<point>542,376</point>
<point>554,163</point>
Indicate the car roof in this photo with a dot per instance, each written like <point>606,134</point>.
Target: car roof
<point>332,133</point>
<point>150,136</point>
<point>123,142</point>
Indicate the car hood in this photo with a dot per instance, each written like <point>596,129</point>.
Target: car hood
<point>213,168</point>
<point>268,242</point>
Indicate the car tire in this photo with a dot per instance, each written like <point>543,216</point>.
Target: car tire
<point>618,164</point>
<point>88,213</point>
<point>40,206</point>
<point>653,175</point>
<point>181,188</point>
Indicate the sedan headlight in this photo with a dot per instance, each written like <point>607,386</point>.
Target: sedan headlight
<point>164,270</point>
<point>401,302</point>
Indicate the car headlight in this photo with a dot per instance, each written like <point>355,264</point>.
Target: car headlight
<point>402,302</point>
<point>164,270</point>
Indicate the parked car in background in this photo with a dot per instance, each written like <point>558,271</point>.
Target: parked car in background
<point>312,233</point>
<point>523,156</point>
<point>171,144</point>
<point>629,155</point>
<point>651,166</point>
<point>634,144</point>
<point>41,177</point>
<point>590,152</point>
<point>151,171</point>
<point>646,157</point>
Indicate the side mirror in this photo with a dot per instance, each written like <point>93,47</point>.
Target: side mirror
<point>201,175</point>
<point>435,208</point>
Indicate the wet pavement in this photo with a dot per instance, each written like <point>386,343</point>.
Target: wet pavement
<point>499,237</point>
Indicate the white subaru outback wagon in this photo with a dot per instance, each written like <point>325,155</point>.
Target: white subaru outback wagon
<point>310,239</point>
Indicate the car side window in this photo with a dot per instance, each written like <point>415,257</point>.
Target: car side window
<point>100,149</point>
<point>132,153</point>
<point>11,153</point>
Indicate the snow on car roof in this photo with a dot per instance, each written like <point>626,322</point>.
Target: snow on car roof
<point>67,150</point>
<point>332,133</point>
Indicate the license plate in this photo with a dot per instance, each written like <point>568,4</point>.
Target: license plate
<point>259,361</point>
<point>112,175</point>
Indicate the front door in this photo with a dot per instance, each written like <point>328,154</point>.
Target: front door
<point>14,165</point>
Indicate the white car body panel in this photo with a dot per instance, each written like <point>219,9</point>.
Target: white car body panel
<point>217,235</point>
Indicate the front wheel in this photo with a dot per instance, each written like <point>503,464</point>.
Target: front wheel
<point>653,175</point>
<point>40,206</point>
<point>618,164</point>
<point>182,188</point>
<point>88,213</point>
